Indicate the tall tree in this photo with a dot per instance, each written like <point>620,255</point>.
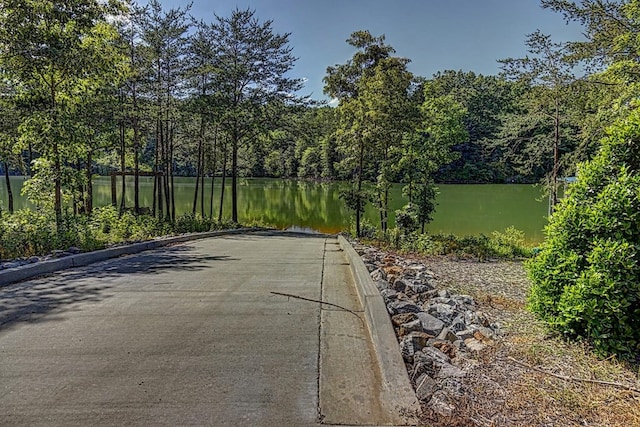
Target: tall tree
<point>549,77</point>
<point>60,52</point>
<point>253,66</point>
<point>349,83</point>
<point>164,34</point>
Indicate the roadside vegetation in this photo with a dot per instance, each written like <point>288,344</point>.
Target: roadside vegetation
<point>27,233</point>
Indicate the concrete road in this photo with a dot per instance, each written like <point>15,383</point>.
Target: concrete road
<point>185,335</point>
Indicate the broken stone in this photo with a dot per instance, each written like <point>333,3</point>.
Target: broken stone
<point>399,319</point>
<point>473,344</point>
<point>436,355</point>
<point>447,335</point>
<point>443,312</point>
<point>388,295</point>
<point>413,326</point>
<point>406,349</point>
<point>378,274</point>
<point>399,285</point>
<point>447,370</point>
<point>430,324</point>
<point>381,284</point>
<point>447,348</point>
<point>440,404</point>
<point>418,340</point>
<point>425,387</point>
<point>399,307</point>
<point>466,334</point>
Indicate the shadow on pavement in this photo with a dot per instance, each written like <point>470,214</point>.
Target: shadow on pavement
<point>35,300</point>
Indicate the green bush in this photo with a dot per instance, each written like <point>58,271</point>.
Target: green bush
<point>586,277</point>
<point>26,233</point>
<point>507,245</point>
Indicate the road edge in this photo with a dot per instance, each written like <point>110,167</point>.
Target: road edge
<point>397,395</point>
<point>24,272</point>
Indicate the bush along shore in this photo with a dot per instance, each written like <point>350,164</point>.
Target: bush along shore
<point>29,236</point>
<point>476,357</point>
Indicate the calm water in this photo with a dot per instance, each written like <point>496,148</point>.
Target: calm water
<point>462,209</point>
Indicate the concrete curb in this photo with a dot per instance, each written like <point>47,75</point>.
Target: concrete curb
<point>17,274</point>
<point>397,395</point>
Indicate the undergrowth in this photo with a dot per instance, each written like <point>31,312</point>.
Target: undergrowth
<point>28,233</point>
<point>509,244</point>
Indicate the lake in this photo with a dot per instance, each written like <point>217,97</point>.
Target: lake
<point>462,208</point>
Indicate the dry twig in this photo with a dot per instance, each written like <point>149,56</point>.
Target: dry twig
<point>567,378</point>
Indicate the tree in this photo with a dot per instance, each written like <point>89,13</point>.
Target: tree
<point>9,120</point>
<point>428,148</point>
<point>164,34</point>
<point>548,76</point>
<point>486,100</point>
<point>252,74</point>
<point>386,96</point>
<point>60,53</point>
<point>359,130</point>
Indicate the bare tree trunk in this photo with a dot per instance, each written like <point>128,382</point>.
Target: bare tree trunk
<point>123,165</point>
<point>224,180</point>
<point>8,182</point>
<point>171,184</point>
<point>88,201</point>
<point>198,168</point>
<point>213,172</point>
<point>556,158</point>
<point>234,179</point>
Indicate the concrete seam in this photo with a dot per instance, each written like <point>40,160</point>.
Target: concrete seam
<point>319,361</point>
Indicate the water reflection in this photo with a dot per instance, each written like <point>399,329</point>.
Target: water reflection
<point>462,209</point>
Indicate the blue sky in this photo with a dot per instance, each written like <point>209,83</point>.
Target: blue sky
<point>437,35</point>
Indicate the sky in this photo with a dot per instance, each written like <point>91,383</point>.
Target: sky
<point>436,35</point>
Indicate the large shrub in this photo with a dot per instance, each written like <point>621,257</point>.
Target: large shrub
<point>586,278</point>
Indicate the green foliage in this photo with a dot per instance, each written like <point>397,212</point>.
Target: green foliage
<point>501,245</point>
<point>509,244</point>
<point>189,223</point>
<point>407,219</point>
<point>27,233</point>
<point>586,278</point>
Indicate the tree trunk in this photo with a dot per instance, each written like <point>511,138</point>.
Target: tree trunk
<point>359,186</point>
<point>8,182</point>
<point>159,177</point>
<point>234,179</point>
<point>556,156</point>
<point>198,170</point>
<point>136,162</point>
<point>171,184</point>
<point>123,165</point>
<point>224,180</point>
<point>213,173</point>
<point>88,201</point>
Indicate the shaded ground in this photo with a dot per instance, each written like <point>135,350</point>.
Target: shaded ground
<point>504,389</point>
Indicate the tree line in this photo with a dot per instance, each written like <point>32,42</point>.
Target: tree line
<point>98,87</point>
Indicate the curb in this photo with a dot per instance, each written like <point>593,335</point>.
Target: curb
<point>397,395</point>
<point>17,274</point>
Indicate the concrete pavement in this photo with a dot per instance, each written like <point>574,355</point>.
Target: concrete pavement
<point>193,335</point>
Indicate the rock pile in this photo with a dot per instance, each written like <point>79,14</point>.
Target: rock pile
<point>439,334</point>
